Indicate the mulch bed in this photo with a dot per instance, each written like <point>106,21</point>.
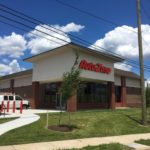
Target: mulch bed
<point>62,128</point>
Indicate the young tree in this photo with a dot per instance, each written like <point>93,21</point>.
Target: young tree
<point>69,84</point>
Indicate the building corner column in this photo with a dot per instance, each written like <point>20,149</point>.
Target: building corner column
<point>123,91</point>
<point>111,94</point>
<point>72,103</point>
<point>12,82</point>
<point>35,93</point>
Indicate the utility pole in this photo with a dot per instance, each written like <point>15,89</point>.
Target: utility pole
<point>144,118</point>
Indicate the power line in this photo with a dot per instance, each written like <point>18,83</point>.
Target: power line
<point>77,38</point>
<point>98,17</point>
<point>64,34</point>
<point>135,67</point>
<point>32,28</point>
<point>92,15</point>
<point>37,21</point>
<point>30,19</point>
<point>53,29</point>
<point>30,32</point>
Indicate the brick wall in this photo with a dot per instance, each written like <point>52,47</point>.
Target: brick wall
<point>133,97</point>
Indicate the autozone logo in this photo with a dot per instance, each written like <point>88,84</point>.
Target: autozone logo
<point>94,67</point>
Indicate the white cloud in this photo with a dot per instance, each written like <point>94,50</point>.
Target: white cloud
<point>5,60</point>
<point>71,27</point>
<point>123,66</point>
<point>4,69</point>
<point>40,44</point>
<point>13,45</point>
<point>12,67</point>
<point>15,67</point>
<point>124,42</point>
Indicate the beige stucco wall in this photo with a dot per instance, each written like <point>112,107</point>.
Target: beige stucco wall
<point>18,82</point>
<point>52,67</point>
<point>4,84</point>
<point>117,80</point>
<point>97,75</point>
<point>23,81</point>
<point>130,82</point>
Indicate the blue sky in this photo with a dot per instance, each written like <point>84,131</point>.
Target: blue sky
<point>112,37</point>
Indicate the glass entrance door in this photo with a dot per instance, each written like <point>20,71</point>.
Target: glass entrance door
<point>59,104</point>
<point>51,90</point>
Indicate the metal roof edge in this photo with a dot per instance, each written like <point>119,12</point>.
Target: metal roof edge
<point>17,74</point>
<point>106,54</point>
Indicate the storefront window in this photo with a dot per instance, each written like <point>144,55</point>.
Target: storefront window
<point>50,92</point>
<point>92,93</point>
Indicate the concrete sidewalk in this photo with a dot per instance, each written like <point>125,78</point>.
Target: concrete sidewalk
<point>28,116</point>
<point>80,143</point>
<point>22,121</point>
<point>10,114</point>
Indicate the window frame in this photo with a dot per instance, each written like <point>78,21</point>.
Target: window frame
<point>11,96</point>
<point>20,98</point>
<point>5,99</point>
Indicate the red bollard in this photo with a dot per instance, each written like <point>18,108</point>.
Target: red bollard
<point>14,106</point>
<point>7,106</point>
<point>21,107</point>
<point>2,107</point>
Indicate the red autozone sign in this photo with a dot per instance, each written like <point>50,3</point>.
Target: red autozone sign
<point>94,67</point>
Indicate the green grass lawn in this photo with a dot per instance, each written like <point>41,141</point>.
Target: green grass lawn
<point>96,123</point>
<point>3,120</point>
<point>113,146</point>
<point>144,142</point>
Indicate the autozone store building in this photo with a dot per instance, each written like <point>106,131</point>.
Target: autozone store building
<point>102,86</point>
